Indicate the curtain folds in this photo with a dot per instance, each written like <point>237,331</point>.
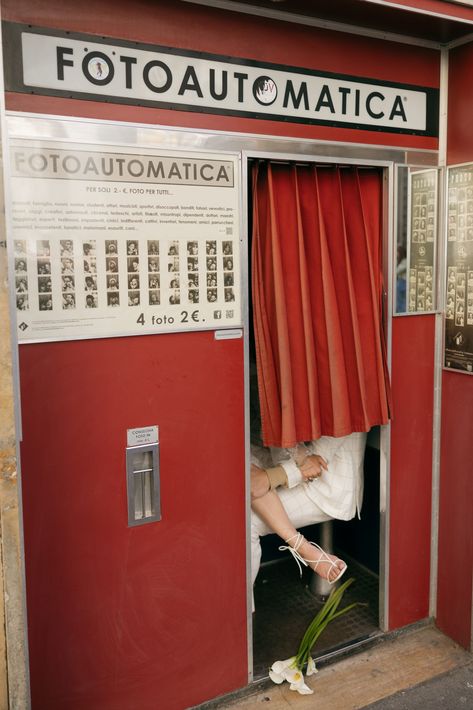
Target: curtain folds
<point>317,301</point>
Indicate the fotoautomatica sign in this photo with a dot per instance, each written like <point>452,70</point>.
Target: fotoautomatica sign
<point>120,241</point>
<point>81,66</point>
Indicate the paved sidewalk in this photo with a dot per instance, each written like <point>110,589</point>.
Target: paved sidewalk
<point>446,692</point>
<point>417,668</point>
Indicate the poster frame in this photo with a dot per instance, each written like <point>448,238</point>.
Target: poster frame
<point>446,266</point>
<point>93,133</point>
<point>414,172</point>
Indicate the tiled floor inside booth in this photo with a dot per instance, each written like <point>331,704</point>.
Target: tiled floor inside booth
<point>285,606</point>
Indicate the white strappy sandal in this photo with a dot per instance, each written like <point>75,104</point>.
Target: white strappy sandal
<point>324,558</point>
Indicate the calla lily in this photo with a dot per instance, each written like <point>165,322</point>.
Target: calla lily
<point>287,670</point>
<point>296,679</point>
<point>290,669</point>
<point>278,670</point>
<point>311,669</point>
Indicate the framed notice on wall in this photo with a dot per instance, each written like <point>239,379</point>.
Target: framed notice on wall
<point>459,281</point>
<point>112,241</point>
<point>422,239</point>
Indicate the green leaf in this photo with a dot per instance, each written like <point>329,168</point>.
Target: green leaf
<point>319,623</point>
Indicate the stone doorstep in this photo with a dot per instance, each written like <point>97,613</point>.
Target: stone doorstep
<point>388,664</point>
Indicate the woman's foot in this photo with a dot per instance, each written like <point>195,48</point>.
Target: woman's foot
<point>329,567</point>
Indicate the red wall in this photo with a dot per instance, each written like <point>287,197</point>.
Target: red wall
<point>411,468</point>
<point>84,567</point>
<point>455,548</point>
<point>456,480</point>
<point>460,101</point>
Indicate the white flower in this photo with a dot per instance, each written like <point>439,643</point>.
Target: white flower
<point>296,678</point>
<point>277,672</point>
<point>311,669</point>
<point>287,670</point>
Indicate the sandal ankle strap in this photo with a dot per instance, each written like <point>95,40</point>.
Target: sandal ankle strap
<point>293,549</point>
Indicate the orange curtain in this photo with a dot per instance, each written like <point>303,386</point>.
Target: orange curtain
<point>317,301</point>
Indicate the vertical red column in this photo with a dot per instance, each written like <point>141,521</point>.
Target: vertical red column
<point>455,551</point>
<point>411,468</point>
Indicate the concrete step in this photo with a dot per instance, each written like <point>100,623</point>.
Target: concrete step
<point>385,670</point>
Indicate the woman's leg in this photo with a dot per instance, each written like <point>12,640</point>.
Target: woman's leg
<point>272,512</point>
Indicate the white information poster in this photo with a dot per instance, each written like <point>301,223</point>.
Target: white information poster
<point>112,241</point>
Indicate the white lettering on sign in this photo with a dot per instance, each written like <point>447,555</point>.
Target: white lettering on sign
<point>212,84</point>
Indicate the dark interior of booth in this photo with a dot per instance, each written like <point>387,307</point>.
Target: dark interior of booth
<point>285,602</point>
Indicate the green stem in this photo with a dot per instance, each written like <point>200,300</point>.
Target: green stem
<point>326,614</point>
<point>332,603</point>
<point>300,662</point>
<point>328,609</point>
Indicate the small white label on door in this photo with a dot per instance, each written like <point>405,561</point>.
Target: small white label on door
<point>142,436</point>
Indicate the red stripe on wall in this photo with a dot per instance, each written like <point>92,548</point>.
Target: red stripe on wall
<point>196,121</point>
<point>460,102</point>
<point>411,468</point>
<point>455,548</point>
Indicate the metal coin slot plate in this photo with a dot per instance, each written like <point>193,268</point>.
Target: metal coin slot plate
<point>142,481</point>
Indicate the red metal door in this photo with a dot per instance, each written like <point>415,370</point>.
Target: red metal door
<point>152,616</point>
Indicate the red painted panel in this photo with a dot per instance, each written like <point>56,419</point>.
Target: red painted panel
<point>456,509</point>
<point>205,29</point>
<point>411,468</point>
<point>460,105</point>
<point>147,617</point>
<point>134,114</point>
<point>455,549</point>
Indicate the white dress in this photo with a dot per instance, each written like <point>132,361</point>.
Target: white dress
<point>337,493</point>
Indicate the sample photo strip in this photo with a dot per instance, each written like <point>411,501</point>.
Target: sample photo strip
<point>154,278</point>
<point>194,272</point>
